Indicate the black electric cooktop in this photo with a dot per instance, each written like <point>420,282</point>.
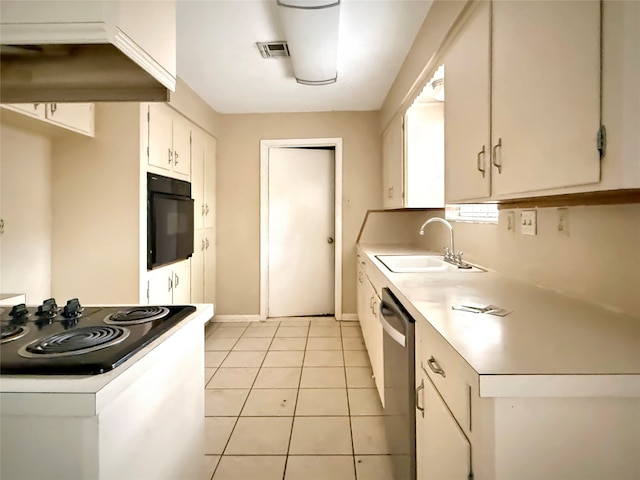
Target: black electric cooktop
<point>72,340</point>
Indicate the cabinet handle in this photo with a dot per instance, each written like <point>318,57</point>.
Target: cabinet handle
<point>360,277</point>
<point>202,210</point>
<point>494,154</point>
<point>170,284</point>
<point>177,280</point>
<point>35,106</point>
<point>54,107</point>
<point>1,226</point>
<point>480,163</point>
<point>202,246</point>
<point>375,306</point>
<point>206,212</point>
<point>371,304</point>
<point>435,368</point>
<point>176,158</point>
<point>420,387</point>
<point>170,155</point>
<point>207,243</point>
<point>390,192</point>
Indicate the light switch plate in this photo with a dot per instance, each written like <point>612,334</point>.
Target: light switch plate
<point>511,222</point>
<point>563,221</point>
<point>528,222</point>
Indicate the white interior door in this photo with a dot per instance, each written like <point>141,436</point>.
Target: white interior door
<point>301,232</point>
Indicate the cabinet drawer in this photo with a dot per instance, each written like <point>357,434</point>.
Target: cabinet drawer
<point>455,381</point>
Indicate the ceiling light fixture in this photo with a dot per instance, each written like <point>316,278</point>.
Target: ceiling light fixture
<point>311,29</point>
<point>437,84</point>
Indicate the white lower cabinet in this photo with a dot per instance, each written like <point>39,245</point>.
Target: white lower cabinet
<point>463,433</point>
<point>368,311</point>
<point>443,408</point>
<point>445,452</point>
<point>170,285</point>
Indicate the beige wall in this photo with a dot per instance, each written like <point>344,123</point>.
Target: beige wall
<point>25,207</point>
<point>598,262</point>
<point>96,209</point>
<point>238,194</point>
<point>433,32</point>
<point>192,106</point>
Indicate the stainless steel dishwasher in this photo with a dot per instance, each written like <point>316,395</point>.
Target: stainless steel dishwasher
<point>399,385</point>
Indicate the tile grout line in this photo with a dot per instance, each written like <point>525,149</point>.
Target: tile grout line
<point>245,400</point>
<point>346,386</point>
<point>205,387</point>
<point>293,420</point>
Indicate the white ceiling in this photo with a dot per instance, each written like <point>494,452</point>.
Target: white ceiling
<point>218,58</point>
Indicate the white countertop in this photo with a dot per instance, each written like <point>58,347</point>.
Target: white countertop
<point>86,395</point>
<point>545,334</point>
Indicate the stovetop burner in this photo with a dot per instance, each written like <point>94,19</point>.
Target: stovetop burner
<point>136,315</point>
<point>12,332</point>
<point>72,340</point>
<point>75,342</point>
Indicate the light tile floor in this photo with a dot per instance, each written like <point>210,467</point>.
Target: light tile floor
<point>292,399</point>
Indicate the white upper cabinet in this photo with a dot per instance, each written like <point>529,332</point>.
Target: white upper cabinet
<point>203,179</point>
<point>34,110</point>
<point>393,164</point>
<point>181,147</point>
<point>467,109</point>
<point>78,117</point>
<point>522,108</point>
<point>169,150</point>
<point>545,95</point>
<point>74,116</point>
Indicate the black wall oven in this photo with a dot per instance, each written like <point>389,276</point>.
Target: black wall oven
<point>169,220</point>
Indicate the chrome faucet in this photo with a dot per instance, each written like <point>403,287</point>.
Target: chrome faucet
<point>450,254</point>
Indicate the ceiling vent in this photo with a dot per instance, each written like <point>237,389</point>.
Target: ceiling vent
<point>273,49</point>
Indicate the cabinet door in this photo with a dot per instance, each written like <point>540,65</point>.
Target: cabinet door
<point>74,116</point>
<point>363,298</point>
<point>35,110</point>
<point>442,450</point>
<point>545,95</point>
<point>393,164</point>
<point>377,348</point>
<point>197,179</point>
<point>181,146</point>
<point>160,137</point>
<point>182,283</point>
<point>210,265</point>
<point>210,182</point>
<point>160,289</point>
<point>197,268</point>
<point>467,109</point>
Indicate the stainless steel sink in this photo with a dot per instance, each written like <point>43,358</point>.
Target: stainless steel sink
<point>421,264</point>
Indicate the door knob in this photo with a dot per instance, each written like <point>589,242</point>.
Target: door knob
<point>330,240</point>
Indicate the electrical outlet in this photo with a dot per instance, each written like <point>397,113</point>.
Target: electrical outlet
<point>563,221</point>
<point>528,222</point>
<point>511,221</point>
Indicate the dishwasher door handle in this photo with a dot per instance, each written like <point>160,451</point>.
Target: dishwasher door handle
<point>394,334</point>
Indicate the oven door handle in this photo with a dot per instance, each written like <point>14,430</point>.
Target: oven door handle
<point>395,335</point>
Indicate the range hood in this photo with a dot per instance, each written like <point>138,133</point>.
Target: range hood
<point>74,73</point>
<point>87,51</point>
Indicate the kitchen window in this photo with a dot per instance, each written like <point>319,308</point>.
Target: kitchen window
<point>473,213</point>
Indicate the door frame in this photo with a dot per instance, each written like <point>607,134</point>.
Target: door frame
<point>265,145</point>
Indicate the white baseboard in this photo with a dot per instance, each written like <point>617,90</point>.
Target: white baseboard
<point>236,318</point>
<point>349,317</point>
